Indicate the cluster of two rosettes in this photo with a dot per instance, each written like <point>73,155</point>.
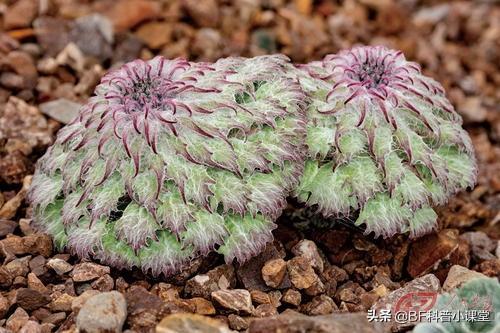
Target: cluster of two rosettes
<point>171,159</point>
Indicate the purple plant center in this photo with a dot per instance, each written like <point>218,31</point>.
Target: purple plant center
<point>370,73</point>
<point>147,92</point>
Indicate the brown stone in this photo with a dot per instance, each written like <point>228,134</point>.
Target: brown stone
<point>264,310</point>
<point>427,252</point>
<point>309,250</point>
<point>13,245</point>
<point>155,34</point>
<point>166,291</point>
<point>88,271</point>
<point>260,297</point>
<point>121,285</point>
<point>17,320</point>
<point>345,256</point>
<point>202,306</point>
<point>47,328</point>
<point>292,322</point>
<point>237,300</point>
<point>349,292</point>
<point>144,308</point>
<point>332,240</point>
<point>9,209</point>
<point>202,285</point>
<point>25,226</point>
<point>192,323</point>
<point>55,318</point>
<point>26,129</point>
<point>41,313</point>
<point>37,265</point>
<point>461,256</point>
<point>22,64</point>
<point>5,277</point>
<point>18,266</point>
<point>380,256</point>
<point>20,14</point>
<point>316,288</point>
<point>400,255</point>
<point>19,281</point>
<point>31,327</point>
<point>38,244</point>
<point>6,226</point>
<point>205,13</point>
<point>275,297</point>
<point>273,272</point>
<point>301,273</point>
<point>237,323</point>
<point>128,49</point>
<point>11,81</point>
<point>127,14</point>
<point>350,267</point>
<point>247,271</point>
<point>30,299</point>
<point>62,302</point>
<point>208,44</point>
<point>381,278</point>
<point>184,305</point>
<point>4,306</point>
<point>35,284</point>
<point>292,296</point>
<point>104,283</point>
<point>490,268</point>
<point>368,299</point>
<point>319,305</point>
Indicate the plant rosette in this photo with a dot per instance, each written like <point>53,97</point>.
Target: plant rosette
<point>171,160</point>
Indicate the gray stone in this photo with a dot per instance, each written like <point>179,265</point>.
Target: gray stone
<point>428,283</point>
<point>105,312</point>
<point>458,275</point>
<point>309,250</point>
<point>236,300</point>
<point>61,109</point>
<point>481,245</point>
<point>59,266</point>
<point>93,34</point>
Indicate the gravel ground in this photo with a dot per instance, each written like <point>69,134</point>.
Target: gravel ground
<point>53,53</point>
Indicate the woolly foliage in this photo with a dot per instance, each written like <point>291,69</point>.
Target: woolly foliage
<point>383,139</point>
<point>475,299</point>
<point>171,159</point>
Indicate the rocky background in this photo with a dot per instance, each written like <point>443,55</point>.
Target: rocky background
<point>53,53</point>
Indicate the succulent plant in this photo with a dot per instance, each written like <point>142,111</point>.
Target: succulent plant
<point>171,159</point>
<point>383,140</point>
<point>481,294</point>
